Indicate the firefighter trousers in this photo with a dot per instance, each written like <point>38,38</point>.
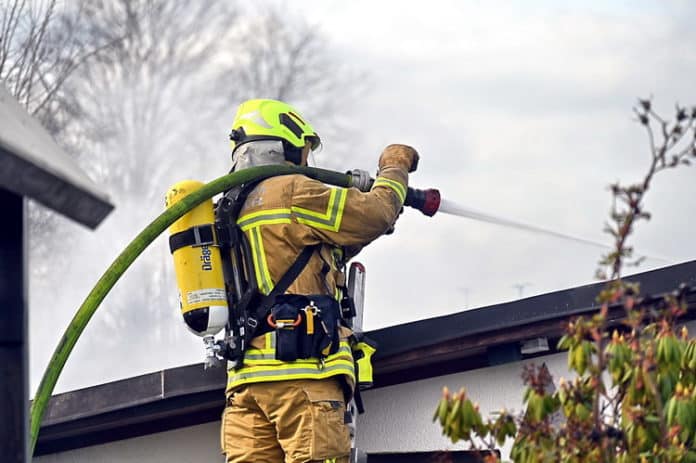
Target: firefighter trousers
<point>295,421</point>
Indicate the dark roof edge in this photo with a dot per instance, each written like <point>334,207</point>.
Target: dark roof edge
<point>133,392</point>
<point>53,191</point>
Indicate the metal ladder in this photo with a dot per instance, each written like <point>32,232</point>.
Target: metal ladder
<point>356,290</point>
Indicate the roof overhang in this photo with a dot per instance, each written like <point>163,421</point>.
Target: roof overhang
<point>33,165</point>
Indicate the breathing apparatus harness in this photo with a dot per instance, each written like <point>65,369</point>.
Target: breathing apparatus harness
<point>248,307</point>
<point>306,326</point>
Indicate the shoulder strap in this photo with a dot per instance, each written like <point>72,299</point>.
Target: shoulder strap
<point>252,307</point>
<point>290,276</point>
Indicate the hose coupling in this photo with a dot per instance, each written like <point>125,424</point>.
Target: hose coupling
<point>361,179</point>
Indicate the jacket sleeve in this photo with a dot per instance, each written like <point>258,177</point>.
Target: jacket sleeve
<point>348,217</point>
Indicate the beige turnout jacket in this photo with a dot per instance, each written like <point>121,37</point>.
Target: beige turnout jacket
<point>284,214</point>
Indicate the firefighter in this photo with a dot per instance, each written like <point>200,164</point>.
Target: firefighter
<point>287,401</point>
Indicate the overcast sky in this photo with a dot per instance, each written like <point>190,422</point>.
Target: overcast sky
<point>520,110</point>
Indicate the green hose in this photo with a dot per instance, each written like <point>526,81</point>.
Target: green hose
<point>133,250</point>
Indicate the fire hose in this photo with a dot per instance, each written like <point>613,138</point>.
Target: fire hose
<point>427,201</point>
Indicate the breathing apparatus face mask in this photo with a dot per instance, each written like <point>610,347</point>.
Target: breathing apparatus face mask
<point>258,153</point>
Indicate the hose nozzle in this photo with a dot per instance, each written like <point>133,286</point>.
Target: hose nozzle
<point>426,201</point>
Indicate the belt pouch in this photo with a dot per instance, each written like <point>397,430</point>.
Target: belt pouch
<point>287,331</point>
<point>325,341</point>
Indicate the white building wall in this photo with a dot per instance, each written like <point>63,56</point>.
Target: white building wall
<point>399,418</point>
<point>195,444</point>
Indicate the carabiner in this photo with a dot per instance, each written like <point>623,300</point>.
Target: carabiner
<point>283,323</point>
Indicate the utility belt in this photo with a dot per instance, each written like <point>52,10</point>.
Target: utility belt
<point>308,327</point>
<point>305,326</point>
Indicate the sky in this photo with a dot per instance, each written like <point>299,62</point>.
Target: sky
<point>518,109</point>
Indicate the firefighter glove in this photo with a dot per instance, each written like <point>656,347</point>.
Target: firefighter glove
<point>399,155</point>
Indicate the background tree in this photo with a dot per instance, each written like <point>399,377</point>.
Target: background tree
<point>633,398</point>
<point>42,45</point>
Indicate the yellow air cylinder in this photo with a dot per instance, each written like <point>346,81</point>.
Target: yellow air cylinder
<point>197,264</point>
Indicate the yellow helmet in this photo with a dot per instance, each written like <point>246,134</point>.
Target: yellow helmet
<point>271,120</point>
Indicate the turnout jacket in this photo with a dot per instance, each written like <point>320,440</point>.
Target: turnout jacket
<point>280,217</point>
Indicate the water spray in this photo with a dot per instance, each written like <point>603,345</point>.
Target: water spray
<point>450,207</point>
<point>429,202</point>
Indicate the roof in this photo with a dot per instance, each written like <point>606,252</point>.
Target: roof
<point>32,165</point>
<point>461,341</point>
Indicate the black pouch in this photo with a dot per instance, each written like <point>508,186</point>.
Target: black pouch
<point>287,320</point>
<point>305,326</point>
<point>325,340</point>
